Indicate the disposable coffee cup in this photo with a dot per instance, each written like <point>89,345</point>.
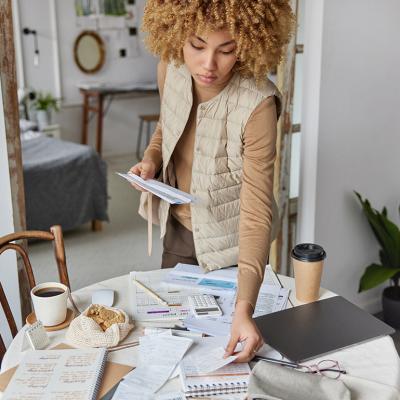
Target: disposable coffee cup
<point>50,302</point>
<point>308,260</point>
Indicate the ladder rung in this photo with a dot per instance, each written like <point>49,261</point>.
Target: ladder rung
<point>299,48</point>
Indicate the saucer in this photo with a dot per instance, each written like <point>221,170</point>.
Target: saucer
<point>31,319</point>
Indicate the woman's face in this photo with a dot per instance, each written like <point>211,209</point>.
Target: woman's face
<point>210,57</point>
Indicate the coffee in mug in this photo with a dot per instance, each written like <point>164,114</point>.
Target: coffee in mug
<point>49,292</point>
<point>308,260</point>
<point>50,302</point>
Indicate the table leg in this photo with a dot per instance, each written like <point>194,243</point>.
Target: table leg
<point>99,134</point>
<point>97,225</point>
<point>85,117</point>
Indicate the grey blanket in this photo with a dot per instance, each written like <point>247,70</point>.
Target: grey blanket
<point>65,183</point>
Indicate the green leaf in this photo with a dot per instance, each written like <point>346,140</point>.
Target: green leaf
<point>374,275</point>
<point>385,231</point>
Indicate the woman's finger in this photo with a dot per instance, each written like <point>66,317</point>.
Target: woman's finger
<point>147,170</point>
<point>230,348</point>
<point>249,351</point>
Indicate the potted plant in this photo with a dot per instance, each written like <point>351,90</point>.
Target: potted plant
<point>44,103</point>
<point>387,234</point>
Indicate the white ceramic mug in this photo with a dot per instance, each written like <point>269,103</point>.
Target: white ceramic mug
<point>50,310</point>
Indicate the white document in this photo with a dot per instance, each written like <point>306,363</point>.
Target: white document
<point>216,282</point>
<point>165,192</point>
<point>146,308</point>
<point>207,362</point>
<point>270,277</point>
<point>158,357</point>
<point>270,299</point>
<point>209,326</point>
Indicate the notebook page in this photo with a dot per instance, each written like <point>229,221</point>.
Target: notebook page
<point>231,376</point>
<point>57,374</point>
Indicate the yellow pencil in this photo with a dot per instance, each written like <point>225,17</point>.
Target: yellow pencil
<point>150,292</point>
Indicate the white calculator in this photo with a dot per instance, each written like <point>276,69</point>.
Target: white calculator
<point>204,305</point>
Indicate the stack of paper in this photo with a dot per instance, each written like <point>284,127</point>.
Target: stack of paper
<point>223,283</point>
<point>165,192</point>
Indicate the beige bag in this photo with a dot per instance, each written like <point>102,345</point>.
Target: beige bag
<point>84,331</point>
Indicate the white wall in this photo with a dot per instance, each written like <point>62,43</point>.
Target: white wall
<point>350,135</point>
<point>59,29</point>
<point>8,260</point>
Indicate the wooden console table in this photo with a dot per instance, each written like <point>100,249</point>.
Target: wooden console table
<point>93,102</point>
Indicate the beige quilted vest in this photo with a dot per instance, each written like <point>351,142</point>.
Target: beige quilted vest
<point>217,160</point>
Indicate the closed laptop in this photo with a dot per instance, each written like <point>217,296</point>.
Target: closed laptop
<point>311,330</point>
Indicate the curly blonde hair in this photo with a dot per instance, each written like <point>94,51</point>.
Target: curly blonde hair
<point>261,29</point>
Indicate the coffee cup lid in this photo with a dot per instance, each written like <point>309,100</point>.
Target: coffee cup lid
<point>310,252</point>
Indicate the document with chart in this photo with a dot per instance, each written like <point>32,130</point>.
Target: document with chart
<point>147,308</point>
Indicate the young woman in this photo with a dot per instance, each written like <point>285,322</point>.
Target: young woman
<point>216,138</point>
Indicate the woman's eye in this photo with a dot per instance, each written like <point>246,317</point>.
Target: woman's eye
<point>228,52</point>
<point>196,47</point>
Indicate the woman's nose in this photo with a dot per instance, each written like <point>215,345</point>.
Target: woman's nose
<point>209,62</point>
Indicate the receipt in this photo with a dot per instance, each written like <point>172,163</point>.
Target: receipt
<point>158,357</point>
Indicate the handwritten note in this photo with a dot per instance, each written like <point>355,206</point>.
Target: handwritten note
<point>57,374</point>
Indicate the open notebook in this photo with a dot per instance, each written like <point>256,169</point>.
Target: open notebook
<point>231,378</point>
<point>58,374</point>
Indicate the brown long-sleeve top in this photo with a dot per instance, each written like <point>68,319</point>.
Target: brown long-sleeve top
<point>256,194</point>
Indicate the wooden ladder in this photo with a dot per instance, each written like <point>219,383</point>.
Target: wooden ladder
<point>282,245</point>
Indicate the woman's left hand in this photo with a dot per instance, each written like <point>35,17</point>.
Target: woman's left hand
<point>244,330</point>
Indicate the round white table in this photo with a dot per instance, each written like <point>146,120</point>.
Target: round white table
<point>373,367</point>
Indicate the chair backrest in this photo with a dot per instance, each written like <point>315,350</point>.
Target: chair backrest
<point>7,242</point>
<point>10,319</point>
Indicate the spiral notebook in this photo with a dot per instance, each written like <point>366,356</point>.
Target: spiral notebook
<point>232,378</point>
<point>58,374</point>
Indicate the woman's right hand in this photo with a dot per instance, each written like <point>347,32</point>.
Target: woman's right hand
<point>146,169</point>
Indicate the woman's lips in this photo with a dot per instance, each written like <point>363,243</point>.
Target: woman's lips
<point>207,79</point>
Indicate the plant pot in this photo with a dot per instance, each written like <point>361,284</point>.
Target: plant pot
<point>43,118</point>
<point>391,306</point>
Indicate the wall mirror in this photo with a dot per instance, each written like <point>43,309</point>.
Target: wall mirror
<point>89,52</point>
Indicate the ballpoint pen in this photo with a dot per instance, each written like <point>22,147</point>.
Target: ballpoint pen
<point>150,292</point>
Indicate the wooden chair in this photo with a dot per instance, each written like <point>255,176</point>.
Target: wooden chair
<point>10,319</point>
<point>148,119</point>
<point>7,242</point>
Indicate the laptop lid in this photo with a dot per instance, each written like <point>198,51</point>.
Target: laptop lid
<point>312,330</point>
